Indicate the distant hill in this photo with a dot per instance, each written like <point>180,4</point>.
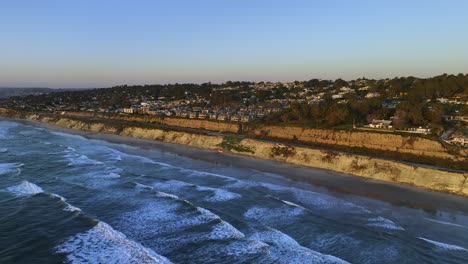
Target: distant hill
<point>7,92</point>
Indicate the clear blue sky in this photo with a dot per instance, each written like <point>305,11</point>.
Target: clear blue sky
<point>99,43</point>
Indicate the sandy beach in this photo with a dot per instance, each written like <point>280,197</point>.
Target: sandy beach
<point>340,183</point>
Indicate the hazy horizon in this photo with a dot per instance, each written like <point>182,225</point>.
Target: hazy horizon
<point>94,44</point>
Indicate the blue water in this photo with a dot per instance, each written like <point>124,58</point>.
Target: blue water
<point>68,199</point>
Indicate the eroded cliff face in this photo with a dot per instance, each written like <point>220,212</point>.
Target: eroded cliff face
<point>210,125</point>
<point>378,141</point>
<point>379,169</point>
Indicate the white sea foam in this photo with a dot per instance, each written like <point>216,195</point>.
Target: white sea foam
<point>219,195</point>
<point>443,246</point>
<point>384,223</point>
<point>3,150</point>
<point>273,215</point>
<point>224,230</point>
<point>67,135</point>
<point>104,175</point>
<point>25,188</point>
<point>167,195</point>
<point>284,249</point>
<point>142,186</point>
<point>214,194</point>
<point>7,168</point>
<point>292,204</point>
<point>81,159</point>
<point>445,223</point>
<point>69,207</point>
<point>157,222</point>
<point>103,244</point>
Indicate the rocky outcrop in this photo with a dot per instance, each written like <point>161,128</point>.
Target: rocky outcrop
<point>363,166</point>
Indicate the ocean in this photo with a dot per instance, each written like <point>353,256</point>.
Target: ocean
<point>65,198</point>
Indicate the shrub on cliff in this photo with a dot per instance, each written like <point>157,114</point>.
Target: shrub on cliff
<point>234,143</point>
<point>282,150</point>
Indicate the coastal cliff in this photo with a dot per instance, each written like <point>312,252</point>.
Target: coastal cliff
<point>360,139</point>
<point>363,166</point>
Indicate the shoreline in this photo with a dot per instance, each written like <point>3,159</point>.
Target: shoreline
<point>434,179</point>
<point>336,182</point>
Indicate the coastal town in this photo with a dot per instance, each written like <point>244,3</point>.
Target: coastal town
<point>400,105</point>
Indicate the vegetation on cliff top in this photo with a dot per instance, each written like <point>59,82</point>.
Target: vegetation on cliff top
<point>231,143</point>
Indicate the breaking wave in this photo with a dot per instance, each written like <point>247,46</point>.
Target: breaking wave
<point>445,223</point>
<point>7,168</point>
<point>284,249</point>
<point>25,188</point>
<point>384,223</point>
<point>443,246</point>
<point>103,244</point>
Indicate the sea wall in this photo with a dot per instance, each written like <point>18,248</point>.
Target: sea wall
<point>363,166</point>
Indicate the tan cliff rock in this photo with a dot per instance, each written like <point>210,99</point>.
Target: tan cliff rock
<point>210,125</point>
<point>378,141</point>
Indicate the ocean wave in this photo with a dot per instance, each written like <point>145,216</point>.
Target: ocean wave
<point>270,216</point>
<point>292,204</point>
<point>214,194</point>
<point>218,195</point>
<point>7,168</point>
<point>445,223</point>
<point>3,150</point>
<point>81,159</point>
<point>168,223</point>
<point>103,244</point>
<point>443,246</point>
<point>384,223</point>
<point>69,207</point>
<point>284,249</point>
<point>25,188</point>
<point>67,135</point>
<point>102,175</point>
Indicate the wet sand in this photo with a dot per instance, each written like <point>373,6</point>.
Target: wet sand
<point>342,184</point>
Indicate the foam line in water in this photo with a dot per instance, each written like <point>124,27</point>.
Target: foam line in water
<point>26,188</point>
<point>443,246</point>
<point>67,135</point>
<point>3,150</point>
<point>215,194</point>
<point>292,204</point>
<point>273,215</point>
<point>80,159</point>
<point>384,223</point>
<point>103,244</point>
<point>445,223</point>
<point>219,195</point>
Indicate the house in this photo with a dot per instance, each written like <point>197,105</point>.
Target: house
<point>129,110</point>
<point>418,130</point>
<point>382,124</point>
<point>372,95</point>
<point>459,140</point>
